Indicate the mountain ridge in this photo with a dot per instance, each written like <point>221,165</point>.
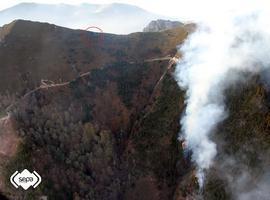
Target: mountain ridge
<point>109,17</point>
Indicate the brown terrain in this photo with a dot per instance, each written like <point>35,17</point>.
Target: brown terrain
<point>89,101</point>
<point>102,121</point>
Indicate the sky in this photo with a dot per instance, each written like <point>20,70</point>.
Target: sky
<point>173,8</point>
<point>158,6</point>
<point>190,10</point>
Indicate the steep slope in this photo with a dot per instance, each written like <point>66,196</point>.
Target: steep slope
<point>242,166</point>
<point>31,52</point>
<point>110,17</point>
<point>74,127</point>
<point>119,118</point>
<point>87,124</point>
<point>111,133</point>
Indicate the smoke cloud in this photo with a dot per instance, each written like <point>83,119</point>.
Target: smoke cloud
<point>243,182</point>
<point>233,37</point>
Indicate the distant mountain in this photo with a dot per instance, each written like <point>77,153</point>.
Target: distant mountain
<point>112,18</point>
<point>161,25</point>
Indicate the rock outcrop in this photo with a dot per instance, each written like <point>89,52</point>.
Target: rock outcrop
<point>162,25</point>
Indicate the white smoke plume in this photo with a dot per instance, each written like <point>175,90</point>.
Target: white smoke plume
<point>232,36</point>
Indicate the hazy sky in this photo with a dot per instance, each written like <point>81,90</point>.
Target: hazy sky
<point>174,8</point>
<point>183,9</point>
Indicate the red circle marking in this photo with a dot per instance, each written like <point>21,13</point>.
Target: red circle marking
<point>89,41</point>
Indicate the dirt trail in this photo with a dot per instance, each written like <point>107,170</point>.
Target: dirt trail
<point>47,84</point>
<point>172,61</point>
<point>159,59</point>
